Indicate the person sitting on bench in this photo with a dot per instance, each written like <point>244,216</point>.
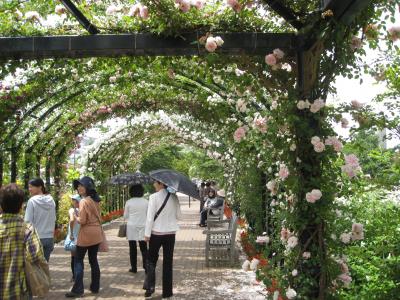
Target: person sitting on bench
<point>212,202</point>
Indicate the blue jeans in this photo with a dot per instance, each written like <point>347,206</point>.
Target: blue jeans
<point>48,247</point>
<point>79,266</point>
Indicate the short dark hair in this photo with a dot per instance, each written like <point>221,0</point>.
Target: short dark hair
<point>38,182</point>
<point>11,198</point>
<point>136,190</point>
<point>208,183</point>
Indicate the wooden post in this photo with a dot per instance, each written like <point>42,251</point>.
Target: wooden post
<point>48,174</point>
<point>28,165</point>
<point>1,167</point>
<point>37,166</point>
<point>14,158</point>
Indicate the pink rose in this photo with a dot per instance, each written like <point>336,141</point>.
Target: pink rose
<point>394,33</point>
<point>270,60</point>
<point>306,255</point>
<point>271,186</point>
<point>313,196</point>
<point>283,171</point>
<point>60,9</point>
<point>356,43</point>
<point>345,237</point>
<point>211,44</point>
<point>317,194</point>
<point>317,105</point>
<point>351,160</point>
<point>184,5</point>
<point>319,147</point>
<point>345,278</point>
<point>239,134</point>
<point>219,41</point>
<point>134,10</point>
<point>301,105</point>
<point>284,234</point>
<point>261,124</point>
<point>199,4</point>
<point>356,104</point>
<point>231,3</point>
<point>279,54</point>
<point>337,146</point>
<point>349,170</point>
<point>357,231</point>
<point>236,6</point>
<point>144,12</point>
<point>315,140</point>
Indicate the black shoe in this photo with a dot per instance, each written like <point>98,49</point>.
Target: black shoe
<point>73,295</point>
<point>148,293</point>
<point>133,270</point>
<point>167,296</point>
<point>94,292</point>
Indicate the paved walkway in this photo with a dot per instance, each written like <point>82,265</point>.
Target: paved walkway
<point>192,280</point>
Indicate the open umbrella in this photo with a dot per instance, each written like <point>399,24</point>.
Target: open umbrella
<point>177,181</point>
<point>131,179</point>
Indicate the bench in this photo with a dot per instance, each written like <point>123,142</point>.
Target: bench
<point>220,240</point>
<point>215,214</point>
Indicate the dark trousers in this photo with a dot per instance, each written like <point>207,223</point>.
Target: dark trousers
<point>202,201</point>
<point>168,243</point>
<point>79,266</point>
<point>203,216</point>
<point>133,254</point>
<point>73,266</point>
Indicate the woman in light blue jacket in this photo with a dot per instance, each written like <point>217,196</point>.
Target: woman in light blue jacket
<point>41,213</point>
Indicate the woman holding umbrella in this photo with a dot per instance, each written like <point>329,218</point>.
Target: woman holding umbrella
<point>161,225</point>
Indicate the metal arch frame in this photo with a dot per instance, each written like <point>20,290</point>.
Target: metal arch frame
<point>70,97</point>
<point>80,17</point>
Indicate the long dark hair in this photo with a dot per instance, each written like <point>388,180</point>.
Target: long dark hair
<point>38,182</point>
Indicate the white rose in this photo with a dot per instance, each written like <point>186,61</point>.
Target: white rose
<point>291,293</point>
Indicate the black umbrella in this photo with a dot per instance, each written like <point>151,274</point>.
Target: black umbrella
<point>177,181</point>
<point>131,179</point>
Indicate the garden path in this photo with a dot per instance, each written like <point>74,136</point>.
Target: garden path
<point>192,280</point>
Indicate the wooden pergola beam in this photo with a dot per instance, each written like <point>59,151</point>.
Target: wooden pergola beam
<point>345,10</point>
<point>288,14</point>
<point>142,44</point>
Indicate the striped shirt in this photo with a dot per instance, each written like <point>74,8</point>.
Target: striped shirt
<point>13,234</point>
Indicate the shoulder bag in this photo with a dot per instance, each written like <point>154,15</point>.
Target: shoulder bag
<point>162,206</point>
<point>122,230</point>
<point>37,274</point>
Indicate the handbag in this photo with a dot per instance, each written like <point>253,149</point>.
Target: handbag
<point>69,245</point>
<point>37,276</point>
<point>103,247</point>
<point>122,230</point>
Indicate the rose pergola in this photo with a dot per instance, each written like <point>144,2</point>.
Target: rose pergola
<point>248,77</point>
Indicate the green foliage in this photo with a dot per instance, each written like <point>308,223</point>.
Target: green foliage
<point>249,198</point>
<point>382,165</point>
<point>64,205</point>
<point>72,174</point>
<point>375,262</point>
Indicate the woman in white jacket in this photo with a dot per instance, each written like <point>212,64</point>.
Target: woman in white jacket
<point>161,232</point>
<point>135,213</point>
